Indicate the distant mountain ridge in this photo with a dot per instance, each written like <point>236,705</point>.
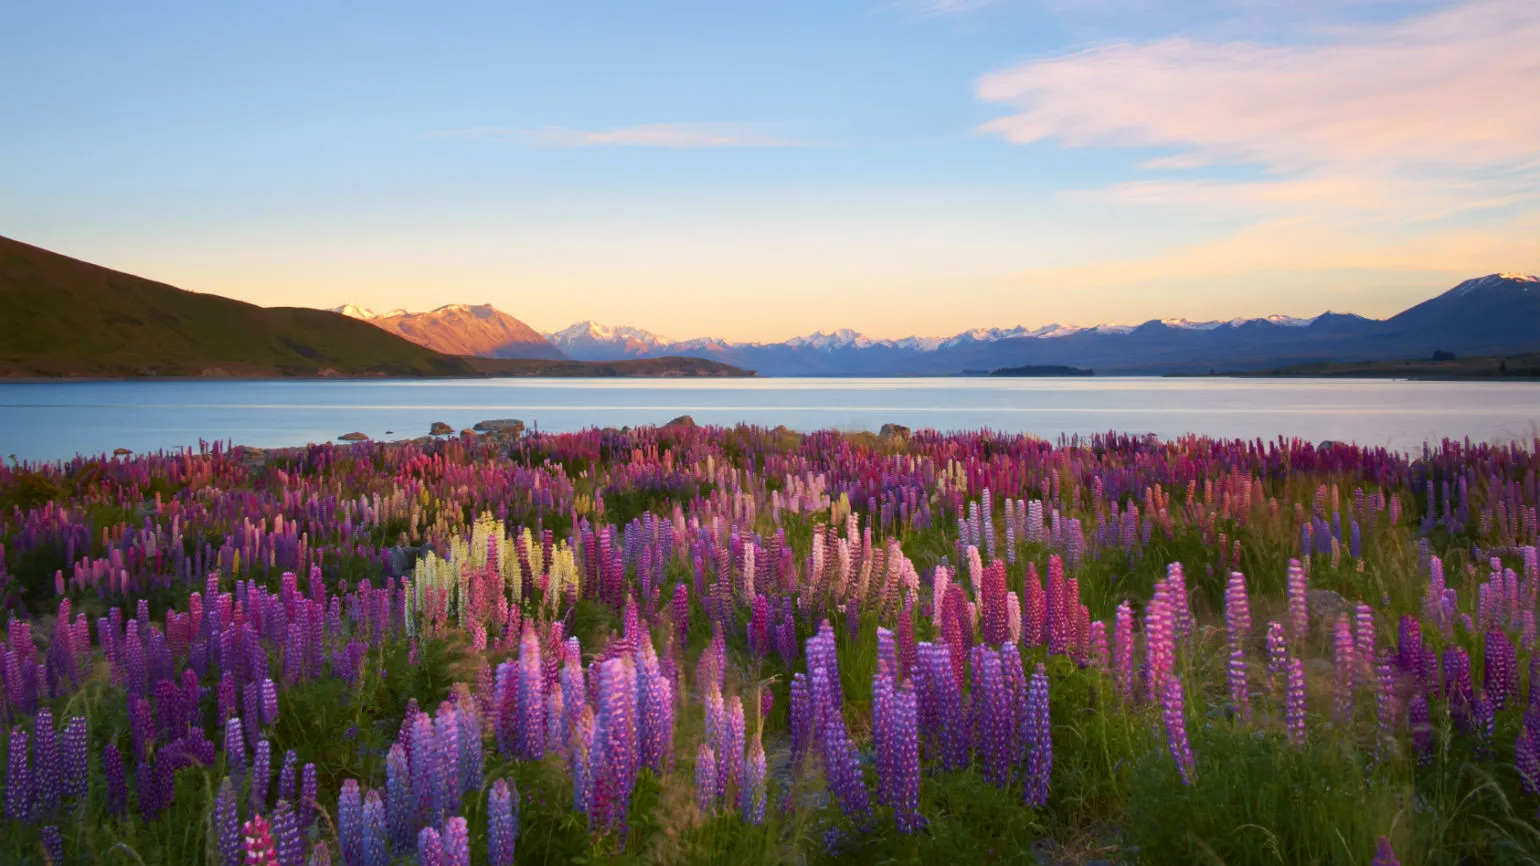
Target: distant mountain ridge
<point>460,329</point>
<point>1494,314</point>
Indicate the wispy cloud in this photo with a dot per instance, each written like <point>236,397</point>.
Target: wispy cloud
<point>667,135</point>
<point>1366,141</point>
<point>931,8</point>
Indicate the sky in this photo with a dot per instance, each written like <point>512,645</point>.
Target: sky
<point>758,170</point>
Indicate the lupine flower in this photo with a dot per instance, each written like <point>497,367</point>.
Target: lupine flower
<point>752,796</point>
<point>117,785</point>
<point>430,848</point>
<point>1422,731</point>
<point>1176,729</point>
<point>1383,855</point>
<point>457,842</point>
<point>261,776</point>
<point>53,845</point>
<point>1240,692</point>
<point>1343,651</point>
<point>502,823</point>
<point>320,855</point>
<point>307,798</point>
<point>235,749</point>
<point>269,703</point>
<point>227,821</point>
<point>1237,611</point>
<point>20,798</point>
<point>77,775</point>
<point>1299,608</point>
<point>1501,669</point>
<point>257,843</point>
<point>372,842</point>
<point>531,730</point>
<point>46,769</point>
<point>1294,704</point>
<point>291,848</point>
<point>399,807</point>
<point>1123,651</point>
<point>1037,735</point>
<point>705,779</point>
<point>350,822</point>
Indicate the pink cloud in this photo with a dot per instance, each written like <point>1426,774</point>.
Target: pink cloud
<point>1453,88</point>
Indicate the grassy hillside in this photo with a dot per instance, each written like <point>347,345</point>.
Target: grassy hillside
<point>64,317</point>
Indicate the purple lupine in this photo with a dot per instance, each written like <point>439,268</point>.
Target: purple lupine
<point>1344,650</point>
<point>1500,669</point>
<point>446,770</point>
<point>53,845</point>
<point>1240,690</point>
<point>235,749</point>
<point>1175,718</point>
<point>372,842</point>
<point>1367,650</point>
<point>45,762</point>
<point>399,807</point>
<point>457,842</point>
<point>350,822</point>
<point>117,785</point>
<point>730,751</point>
<point>1037,735</point>
<point>992,719</point>
<point>77,776</point>
<point>423,760</point>
<point>1422,730</point>
<point>471,758</point>
<point>1159,637</point>
<point>286,776</point>
<point>1457,686</point>
<point>1237,611</point>
<point>269,703</point>
<point>261,776</point>
<point>291,848</point>
<point>320,855</point>
<point>502,823</point>
<point>1385,702</point>
<point>705,779</point>
<point>227,821</point>
<point>838,752</point>
<point>20,800</point>
<point>430,848</point>
<point>531,728</point>
<point>753,796</point>
<point>1277,651</point>
<point>1383,855</point>
<point>1526,757</point>
<point>305,810</point>
<point>505,711</point>
<point>655,714</point>
<point>1294,704</point>
<point>614,750</point>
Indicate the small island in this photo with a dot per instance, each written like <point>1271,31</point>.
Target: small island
<point>1044,370</point>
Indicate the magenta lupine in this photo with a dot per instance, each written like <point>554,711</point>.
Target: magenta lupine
<point>1123,651</point>
<point>1037,736</point>
<point>1299,607</point>
<point>1383,855</point>
<point>1294,704</point>
<point>1237,612</point>
<point>1501,668</point>
<point>20,797</point>
<point>1240,690</point>
<point>531,728</point>
<point>705,779</point>
<point>257,848</point>
<point>350,823</point>
<point>1160,653</point>
<point>1367,648</point>
<point>1345,668</point>
<point>77,775</point>
<point>1174,715</point>
<point>502,823</point>
<point>1385,703</point>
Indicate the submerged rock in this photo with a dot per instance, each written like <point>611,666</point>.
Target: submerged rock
<point>355,436</point>
<point>508,426</point>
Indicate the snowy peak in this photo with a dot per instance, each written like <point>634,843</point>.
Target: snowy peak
<point>591,341</point>
<point>1507,281</point>
<point>460,329</point>
<point>354,311</point>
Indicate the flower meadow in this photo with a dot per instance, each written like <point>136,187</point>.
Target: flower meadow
<point>744,645</point>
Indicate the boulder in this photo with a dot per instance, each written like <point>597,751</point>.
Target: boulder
<point>467,432</point>
<point>355,436</point>
<point>1326,606</point>
<point>400,560</point>
<point>681,421</point>
<point>894,430</point>
<point>508,426</point>
<point>439,428</point>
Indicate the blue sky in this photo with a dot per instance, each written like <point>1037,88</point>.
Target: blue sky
<point>759,170</point>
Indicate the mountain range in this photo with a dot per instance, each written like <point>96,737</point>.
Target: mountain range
<point>460,329</point>
<point>1491,315</point>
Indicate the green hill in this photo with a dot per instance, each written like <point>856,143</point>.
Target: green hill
<point>67,318</point>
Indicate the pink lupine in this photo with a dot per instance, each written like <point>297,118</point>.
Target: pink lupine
<point>1299,608</point>
<point>1174,714</point>
<point>1294,704</point>
<point>257,848</point>
<point>1343,649</point>
<point>1123,651</point>
<point>1237,611</point>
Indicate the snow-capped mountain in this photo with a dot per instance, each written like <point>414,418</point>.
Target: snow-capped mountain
<point>590,341</point>
<point>461,329</point>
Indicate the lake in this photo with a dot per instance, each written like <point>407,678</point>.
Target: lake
<point>48,421</point>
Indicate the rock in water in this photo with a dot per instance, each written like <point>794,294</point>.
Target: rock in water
<point>439,428</point>
<point>681,421</point>
<point>354,437</point>
<point>505,426</point>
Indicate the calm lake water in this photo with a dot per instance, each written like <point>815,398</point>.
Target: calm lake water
<point>47,421</point>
